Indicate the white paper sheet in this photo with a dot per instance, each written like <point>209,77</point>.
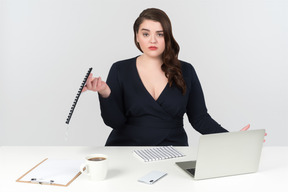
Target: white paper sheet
<point>60,171</point>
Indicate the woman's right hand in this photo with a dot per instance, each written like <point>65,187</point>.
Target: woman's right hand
<point>97,85</point>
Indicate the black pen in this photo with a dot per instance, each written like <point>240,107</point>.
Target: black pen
<point>42,181</point>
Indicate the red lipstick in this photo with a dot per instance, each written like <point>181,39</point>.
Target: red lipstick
<point>153,48</point>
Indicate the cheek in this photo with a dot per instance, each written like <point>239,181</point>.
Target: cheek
<point>162,44</point>
<point>138,39</point>
<point>143,43</point>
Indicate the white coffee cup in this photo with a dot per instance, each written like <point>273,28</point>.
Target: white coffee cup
<point>95,166</point>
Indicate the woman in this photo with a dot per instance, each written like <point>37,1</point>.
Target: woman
<point>146,97</point>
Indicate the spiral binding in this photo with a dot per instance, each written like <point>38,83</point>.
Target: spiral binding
<point>78,95</point>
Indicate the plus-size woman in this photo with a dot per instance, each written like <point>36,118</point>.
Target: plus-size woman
<point>145,97</point>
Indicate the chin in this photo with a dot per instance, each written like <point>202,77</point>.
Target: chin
<point>154,55</point>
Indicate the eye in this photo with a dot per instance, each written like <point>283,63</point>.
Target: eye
<point>145,34</point>
<point>160,34</point>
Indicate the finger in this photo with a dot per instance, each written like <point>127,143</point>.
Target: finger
<point>84,89</point>
<point>89,80</point>
<point>246,128</point>
<point>90,77</point>
<point>94,84</point>
<point>99,82</point>
<point>265,139</point>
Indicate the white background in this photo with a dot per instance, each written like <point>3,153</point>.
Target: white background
<point>238,47</point>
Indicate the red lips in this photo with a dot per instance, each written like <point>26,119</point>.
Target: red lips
<point>153,48</point>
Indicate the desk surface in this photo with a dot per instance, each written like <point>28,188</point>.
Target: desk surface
<point>125,169</point>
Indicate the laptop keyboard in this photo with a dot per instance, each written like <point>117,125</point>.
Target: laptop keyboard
<point>192,171</point>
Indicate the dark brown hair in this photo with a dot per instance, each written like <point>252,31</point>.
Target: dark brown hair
<point>171,65</point>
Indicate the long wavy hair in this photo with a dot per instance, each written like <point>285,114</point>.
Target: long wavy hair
<point>171,65</point>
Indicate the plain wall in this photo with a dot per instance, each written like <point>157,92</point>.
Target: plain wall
<point>238,48</point>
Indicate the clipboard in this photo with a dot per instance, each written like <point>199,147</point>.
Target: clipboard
<point>53,172</point>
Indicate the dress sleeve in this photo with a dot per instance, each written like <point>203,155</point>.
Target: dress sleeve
<point>112,109</point>
<point>197,111</point>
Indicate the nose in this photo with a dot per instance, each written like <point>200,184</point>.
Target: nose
<point>153,39</point>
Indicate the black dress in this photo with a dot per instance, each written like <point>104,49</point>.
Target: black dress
<point>137,119</point>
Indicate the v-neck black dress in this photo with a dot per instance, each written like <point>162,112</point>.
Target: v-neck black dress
<point>137,119</point>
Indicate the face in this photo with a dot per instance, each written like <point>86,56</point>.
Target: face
<point>151,38</point>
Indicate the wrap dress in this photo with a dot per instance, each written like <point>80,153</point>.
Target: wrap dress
<point>137,119</point>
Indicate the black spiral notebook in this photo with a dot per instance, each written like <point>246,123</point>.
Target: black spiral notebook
<point>78,95</point>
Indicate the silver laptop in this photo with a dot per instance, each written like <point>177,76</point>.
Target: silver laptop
<point>226,154</point>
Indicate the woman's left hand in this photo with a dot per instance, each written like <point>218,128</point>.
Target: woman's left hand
<point>247,127</point>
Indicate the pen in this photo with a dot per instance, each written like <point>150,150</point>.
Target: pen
<point>42,181</point>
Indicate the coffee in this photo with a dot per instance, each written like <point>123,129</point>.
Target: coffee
<point>97,159</point>
<point>96,166</point>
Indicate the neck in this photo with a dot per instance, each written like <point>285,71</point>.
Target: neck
<point>150,61</point>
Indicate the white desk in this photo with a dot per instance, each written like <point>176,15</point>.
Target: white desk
<point>125,169</point>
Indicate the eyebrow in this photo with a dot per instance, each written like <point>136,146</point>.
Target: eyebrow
<point>143,29</point>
